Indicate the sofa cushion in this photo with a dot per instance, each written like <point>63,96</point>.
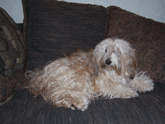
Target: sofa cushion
<point>148,108</point>
<point>12,56</point>
<point>58,28</point>
<point>146,35</point>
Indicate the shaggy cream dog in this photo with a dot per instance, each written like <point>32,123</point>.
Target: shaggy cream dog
<point>110,70</point>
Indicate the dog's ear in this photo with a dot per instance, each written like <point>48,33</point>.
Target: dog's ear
<point>132,67</point>
<point>95,66</point>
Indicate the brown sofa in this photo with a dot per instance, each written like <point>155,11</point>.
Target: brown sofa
<point>52,29</point>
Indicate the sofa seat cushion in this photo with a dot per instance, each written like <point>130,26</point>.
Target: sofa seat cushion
<point>148,108</point>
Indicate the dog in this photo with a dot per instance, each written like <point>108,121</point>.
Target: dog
<point>110,71</point>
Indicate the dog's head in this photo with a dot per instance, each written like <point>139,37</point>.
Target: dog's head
<point>115,54</point>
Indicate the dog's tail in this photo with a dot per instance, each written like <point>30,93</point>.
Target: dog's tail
<point>30,74</point>
<point>32,85</point>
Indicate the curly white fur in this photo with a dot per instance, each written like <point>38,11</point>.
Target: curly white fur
<point>110,70</point>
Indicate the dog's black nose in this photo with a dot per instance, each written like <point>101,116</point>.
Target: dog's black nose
<point>108,62</point>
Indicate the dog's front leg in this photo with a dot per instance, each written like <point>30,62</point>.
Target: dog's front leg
<point>113,89</point>
<point>117,90</point>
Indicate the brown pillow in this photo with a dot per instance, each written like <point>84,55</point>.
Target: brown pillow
<point>58,28</point>
<point>12,56</point>
<point>146,35</point>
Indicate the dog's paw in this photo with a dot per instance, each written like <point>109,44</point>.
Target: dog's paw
<point>147,85</point>
<point>82,107</point>
<point>82,104</point>
<point>142,83</point>
<point>128,93</point>
<point>77,104</point>
<point>124,92</point>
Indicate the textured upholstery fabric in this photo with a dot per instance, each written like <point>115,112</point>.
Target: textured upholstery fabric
<point>12,57</point>
<point>58,28</point>
<point>146,35</point>
<point>148,108</point>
